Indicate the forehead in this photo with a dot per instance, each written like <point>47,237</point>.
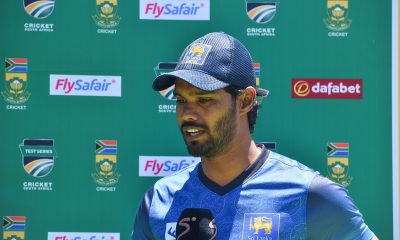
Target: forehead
<point>184,88</point>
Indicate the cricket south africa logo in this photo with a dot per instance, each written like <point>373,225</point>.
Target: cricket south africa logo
<point>38,156</point>
<point>162,68</point>
<point>39,8</point>
<point>261,11</point>
<point>338,163</point>
<point>106,174</point>
<point>16,81</point>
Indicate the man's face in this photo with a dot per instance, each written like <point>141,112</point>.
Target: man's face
<point>208,120</point>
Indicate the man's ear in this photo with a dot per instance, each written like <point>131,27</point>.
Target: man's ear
<point>247,99</point>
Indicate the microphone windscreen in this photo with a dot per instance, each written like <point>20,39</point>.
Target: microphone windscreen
<point>196,224</point>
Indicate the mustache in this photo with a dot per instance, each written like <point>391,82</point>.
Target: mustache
<point>193,124</point>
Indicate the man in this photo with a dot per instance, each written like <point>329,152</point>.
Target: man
<point>253,193</point>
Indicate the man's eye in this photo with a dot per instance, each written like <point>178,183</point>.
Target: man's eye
<point>204,100</point>
<point>179,100</point>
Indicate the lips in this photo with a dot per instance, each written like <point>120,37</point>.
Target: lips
<point>192,133</point>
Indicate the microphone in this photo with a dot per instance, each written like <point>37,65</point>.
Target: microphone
<point>196,224</point>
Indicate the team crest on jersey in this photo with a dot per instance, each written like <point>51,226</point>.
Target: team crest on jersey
<point>16,80</point>
<point>338,11</point>
<point>106,163</point>
<point>14,227</point>
<point>261,11</point>
<point>338,163</point>
<point>261,226</point>
<point>39,8</point>
<point>107,13</point>
<point>38,156</point>
<point>197,54</point>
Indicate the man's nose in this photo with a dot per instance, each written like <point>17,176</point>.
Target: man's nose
<point>189,112</point>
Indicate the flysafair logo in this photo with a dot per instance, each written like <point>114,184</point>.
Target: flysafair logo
<point>107,13</point>
<point>197,54</point>
<point>85,85</point>
<point>261,226</point>
<point>338,163</point>
<point>38,156</point>
<point>106,164</point>
<point>338,11</point>
<point>14,227</point>
<point>159,166</point>
<point>39,8</point>
<point>260,11</point>
<point>175,10</point>
<point>16,80</point>
<point>166,67</point>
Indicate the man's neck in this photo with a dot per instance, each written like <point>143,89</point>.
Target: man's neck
<point>225,167</point>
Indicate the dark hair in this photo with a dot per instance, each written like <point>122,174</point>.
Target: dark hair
<point>253,113</point>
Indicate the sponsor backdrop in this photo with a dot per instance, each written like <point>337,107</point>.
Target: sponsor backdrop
<point>84,135</point>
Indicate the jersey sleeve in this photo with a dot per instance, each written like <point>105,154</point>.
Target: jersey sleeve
<point>332,214</point>
<point>141,227</point>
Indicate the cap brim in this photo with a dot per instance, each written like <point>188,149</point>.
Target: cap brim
<point>196,78</point>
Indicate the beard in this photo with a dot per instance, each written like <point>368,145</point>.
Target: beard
<point>218,139</point>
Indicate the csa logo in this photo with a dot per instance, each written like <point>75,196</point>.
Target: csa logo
<point>338,163</point>
<point>39,8</point>
<point>38,156</point>
<point>261,226</point>
<point>261,12</point>
<point>196,54</point>
<point>16,82</point>
<point>107,16</point>
<point>168,94</point>
<point>162,68</point>
<point>14,227</point>
<point>338,11</point>
<point>106,165</point>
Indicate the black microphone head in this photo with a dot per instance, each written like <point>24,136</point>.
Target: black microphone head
<point>196,224</point>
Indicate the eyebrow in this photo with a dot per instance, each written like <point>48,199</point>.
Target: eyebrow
<point>198,93</point>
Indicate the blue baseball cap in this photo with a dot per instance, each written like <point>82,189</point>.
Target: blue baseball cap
<point>212,62</point>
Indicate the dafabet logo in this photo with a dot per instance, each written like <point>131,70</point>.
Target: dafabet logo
<point>326,88</point>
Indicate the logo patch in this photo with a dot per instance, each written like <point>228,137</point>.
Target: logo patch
<point>38,156</point>
<point>261,226</point>
<point>16,80</point>
<point>261,12</point>
<point>39,8</point>
<point>106,174</point>
<point>338,163</point>
<point>197,54</point>
<point>107,13</point>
